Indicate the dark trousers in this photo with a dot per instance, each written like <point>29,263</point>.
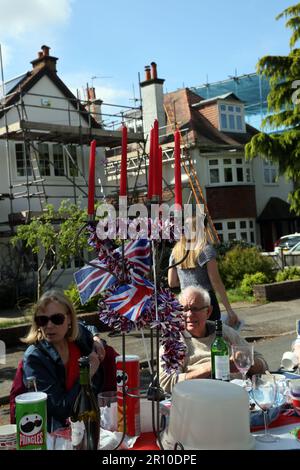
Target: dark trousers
<point>216,312</point>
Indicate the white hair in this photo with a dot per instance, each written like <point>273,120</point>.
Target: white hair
<point>203,293</point>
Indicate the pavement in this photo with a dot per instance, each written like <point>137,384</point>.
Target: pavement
<point>271,325</point>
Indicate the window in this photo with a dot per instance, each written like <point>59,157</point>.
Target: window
<point>229,170</point>
<point>72,158</point>
<point>58,160</point>
<point>23,163</point>
<point>239,229</point>
<point>44,159</point>
<point>231,118</point>
<point>270,172</point>
<point>49,160</point>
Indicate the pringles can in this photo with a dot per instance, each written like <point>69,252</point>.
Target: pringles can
<point>132,387</point>
<point>31,420</point>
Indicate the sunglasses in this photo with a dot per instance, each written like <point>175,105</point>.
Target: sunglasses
<point>56,319</point>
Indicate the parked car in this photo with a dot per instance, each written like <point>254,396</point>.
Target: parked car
<point>286,242</point>
<point>295,250</point>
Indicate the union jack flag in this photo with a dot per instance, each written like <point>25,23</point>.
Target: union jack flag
<point>138,252</point>
<point>130,300</point>
<point>91,280</point>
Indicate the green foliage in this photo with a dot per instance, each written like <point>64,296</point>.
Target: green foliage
<point>250,280</point>
<point>236,295</point>
<point>54,235</point>
<point>224,247</point>
<point>290,273</point>
<point>283,73</point>
<point>73,294</point>
<point>240,261</point>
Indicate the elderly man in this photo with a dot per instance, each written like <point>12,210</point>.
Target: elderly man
<point>198,336</point>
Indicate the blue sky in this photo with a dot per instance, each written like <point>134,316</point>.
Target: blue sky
<point>190,40</point>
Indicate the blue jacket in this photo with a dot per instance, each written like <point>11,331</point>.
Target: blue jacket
<point>42,361</point>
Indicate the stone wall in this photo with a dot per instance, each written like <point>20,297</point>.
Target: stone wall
<point>285,290</point>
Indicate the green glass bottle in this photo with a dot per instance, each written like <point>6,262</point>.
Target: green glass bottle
<point>220,369</point>
<point>85,418</point>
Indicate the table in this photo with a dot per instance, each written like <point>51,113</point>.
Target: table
<point>147,440</point>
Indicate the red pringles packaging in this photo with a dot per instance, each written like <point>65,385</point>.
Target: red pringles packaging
<point>132,387</point>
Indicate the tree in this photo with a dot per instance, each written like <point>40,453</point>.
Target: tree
<point>283,73</point>
<point>55,237</point>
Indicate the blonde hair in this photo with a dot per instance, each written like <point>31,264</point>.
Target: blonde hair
<point>53,295</point>
<point>181,248</point>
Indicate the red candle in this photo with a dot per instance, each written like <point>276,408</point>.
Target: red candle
<point>91,188</point>
<point>155,158</point>
<point>159,172</point>
<point>177,157</point>
<point>123,176</point>
<point>150,168</point>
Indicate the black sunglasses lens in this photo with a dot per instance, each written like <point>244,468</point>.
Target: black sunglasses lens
<point>56,319</point>
<point>41,320</point>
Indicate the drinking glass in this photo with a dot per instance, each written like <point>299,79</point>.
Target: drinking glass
<point>62,439</point>
<point>264,393</point>
<point>242,355</point>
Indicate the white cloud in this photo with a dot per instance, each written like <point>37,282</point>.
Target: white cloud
<point>18,17</point>
<point>107,92</point>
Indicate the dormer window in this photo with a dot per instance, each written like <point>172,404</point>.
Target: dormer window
<point>231,117</point>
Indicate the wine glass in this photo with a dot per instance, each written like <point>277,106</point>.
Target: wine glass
<point>264,393</point>
<point>62,439</point>
<point>242,355</point>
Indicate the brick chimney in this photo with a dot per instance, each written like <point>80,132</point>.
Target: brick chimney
<point>44,60</point>
<point>94,104</point>
<point>152,99</point>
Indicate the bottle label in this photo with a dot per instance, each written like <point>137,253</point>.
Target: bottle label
<point>222,371</point>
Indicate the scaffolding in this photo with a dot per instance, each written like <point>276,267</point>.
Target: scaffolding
<point>31,133</point>
<point>251,88</point>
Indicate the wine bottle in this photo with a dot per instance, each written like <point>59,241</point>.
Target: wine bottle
<point>85,418</point>
<point>220,356</point>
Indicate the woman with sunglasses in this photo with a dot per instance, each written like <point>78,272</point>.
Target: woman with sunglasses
<point>57,340</point>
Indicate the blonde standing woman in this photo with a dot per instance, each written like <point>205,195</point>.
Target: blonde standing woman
<point>199,268</point>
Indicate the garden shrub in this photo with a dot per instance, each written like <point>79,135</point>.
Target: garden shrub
<point>73,294</point>
<point>250,280</point>
<point>240,261</point>
<point>291,273</point>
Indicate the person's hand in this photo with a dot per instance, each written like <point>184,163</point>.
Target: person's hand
<point>99,348</point>
<point>233,319</point>
<point>94,363</point>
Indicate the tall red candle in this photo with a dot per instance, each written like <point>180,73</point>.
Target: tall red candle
<point>177,157</point>
<point>150,168</point>
<point>155,158</point>
<point>91,188</point>
<point>159,172</point>
<point>123,176</point>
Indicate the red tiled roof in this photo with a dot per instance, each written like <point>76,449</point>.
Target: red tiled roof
<point>200,129</point>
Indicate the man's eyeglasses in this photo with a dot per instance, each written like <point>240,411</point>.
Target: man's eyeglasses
<point>56,319</point>
<point>186,308</point>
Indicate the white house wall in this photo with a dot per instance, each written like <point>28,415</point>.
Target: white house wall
<point>264,191</point>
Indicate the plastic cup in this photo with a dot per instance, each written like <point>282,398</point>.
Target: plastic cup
<point>31,420</point>
<point>8,437</point>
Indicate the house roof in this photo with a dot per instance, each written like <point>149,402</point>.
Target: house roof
<point>276,209</point>
<point>198,128</point>
<point>219,97</point>
<point>28,80</point>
